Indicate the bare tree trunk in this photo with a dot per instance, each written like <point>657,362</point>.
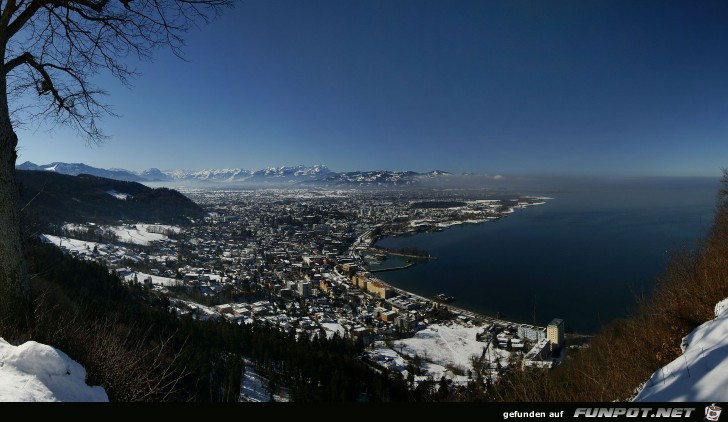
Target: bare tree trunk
<point>16,306</point>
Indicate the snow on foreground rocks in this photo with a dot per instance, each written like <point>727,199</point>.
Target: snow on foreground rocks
<point>701,373</point>
<point>37,372</point>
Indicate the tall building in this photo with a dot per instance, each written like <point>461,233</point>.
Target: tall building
<point>304,289</point>
<point>555,334</point>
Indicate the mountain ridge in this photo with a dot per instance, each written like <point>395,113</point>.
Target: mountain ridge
<point>318,174</point>
<point>54,198</point>
<point>74,169</point>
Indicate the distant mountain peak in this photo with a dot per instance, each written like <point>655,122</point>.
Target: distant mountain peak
<point>318,174</point>
<point>27,164</point>
<point>439,173</point>
<point>154,174</point>
<point>299,171</point>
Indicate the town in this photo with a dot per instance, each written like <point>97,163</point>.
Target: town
<point>299,260</point>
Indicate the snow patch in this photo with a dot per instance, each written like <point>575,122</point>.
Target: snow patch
<point>35,372</point>
<point>720,307</point>
<point>119,195</point>
<point>331,328</point>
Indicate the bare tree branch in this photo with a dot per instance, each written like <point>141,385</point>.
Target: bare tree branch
<point>66,43</point>
<point>16,61</point>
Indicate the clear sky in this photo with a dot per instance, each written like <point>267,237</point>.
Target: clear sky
<point>567,87</point>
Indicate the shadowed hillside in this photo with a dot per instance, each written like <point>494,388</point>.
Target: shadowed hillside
<point>50,197</point>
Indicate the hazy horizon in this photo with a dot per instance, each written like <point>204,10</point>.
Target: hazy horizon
<point>506,182</point>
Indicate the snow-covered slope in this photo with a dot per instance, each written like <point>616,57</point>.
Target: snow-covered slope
<point>701,373</point>
<point>37,372</point>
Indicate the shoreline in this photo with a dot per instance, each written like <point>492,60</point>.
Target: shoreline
<point>455,309</point>
<point>476,316</point>
<point>416,226</point>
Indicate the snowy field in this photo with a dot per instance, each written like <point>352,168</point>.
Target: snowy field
<point>451,344</point>
<point>34,372</point>
<point>139,233</point>
<point>156,280</point>
<point>81,246</point>
<point>441,347</point>
<point>142,234</point>
<point>701,373</point>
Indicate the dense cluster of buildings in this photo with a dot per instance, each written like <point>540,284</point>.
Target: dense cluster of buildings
<point>293,259</point>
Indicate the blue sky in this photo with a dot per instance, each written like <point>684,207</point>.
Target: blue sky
<point>559,87</point>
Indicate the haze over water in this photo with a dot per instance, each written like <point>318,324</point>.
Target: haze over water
<point>582,256</point>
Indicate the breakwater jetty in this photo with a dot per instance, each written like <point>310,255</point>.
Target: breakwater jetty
<point>381,270</point>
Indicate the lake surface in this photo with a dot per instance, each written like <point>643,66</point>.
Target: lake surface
<point>582,256</point>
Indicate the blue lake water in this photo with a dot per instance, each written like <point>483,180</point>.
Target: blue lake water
<point>582,256</point>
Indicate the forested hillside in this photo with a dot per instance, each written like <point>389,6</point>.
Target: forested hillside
<point>49,197</point>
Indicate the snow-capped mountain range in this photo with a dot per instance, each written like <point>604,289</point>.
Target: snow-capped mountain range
<point>297,171</point>
<point>309,175</point>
